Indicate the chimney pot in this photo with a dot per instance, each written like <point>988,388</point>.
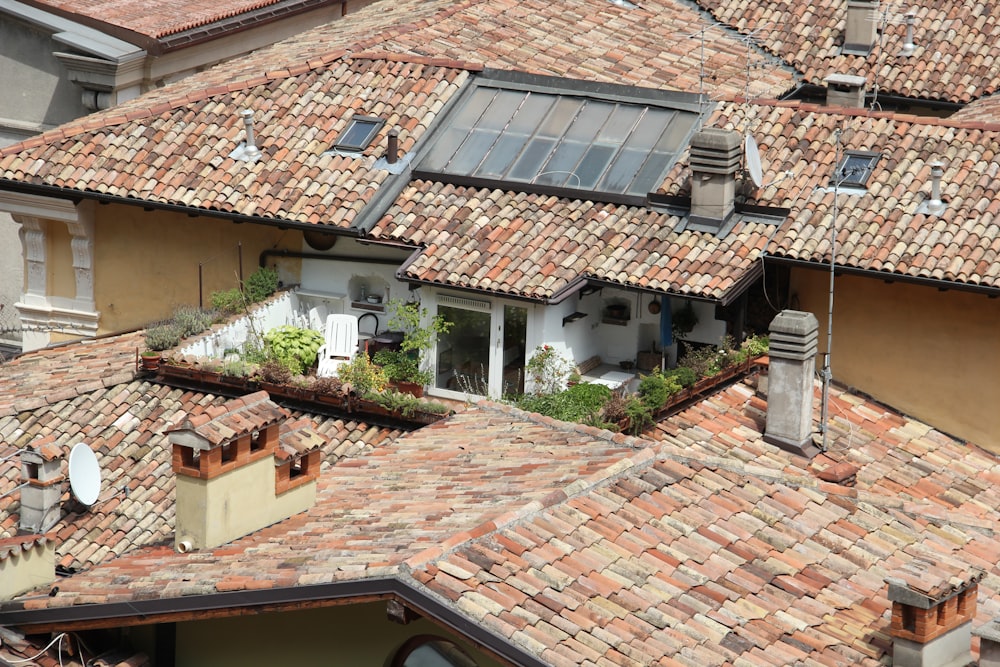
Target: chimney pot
<point>794,336</point>
<point>861,28</point>
<point>392,148</point>
<point>845,90</point>
<point>936,206</point>
<point>715,161</point>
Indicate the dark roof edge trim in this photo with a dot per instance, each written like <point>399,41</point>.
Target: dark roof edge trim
<point>884,275</point>
<point>614,91</point>
<point>604,282</point>
<point>77,195</point>
<point>343,591</point>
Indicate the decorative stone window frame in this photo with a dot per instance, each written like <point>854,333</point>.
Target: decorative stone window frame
<point>42,313</point>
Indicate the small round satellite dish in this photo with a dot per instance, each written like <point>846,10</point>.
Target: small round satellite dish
<point>84,474</point>
<point>753,161</point>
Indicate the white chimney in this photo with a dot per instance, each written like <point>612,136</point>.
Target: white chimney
<point>861,29</point>
<point>41,472</point>
<point>715,161</point>
<point>794,336</point>
<point>247,151</point>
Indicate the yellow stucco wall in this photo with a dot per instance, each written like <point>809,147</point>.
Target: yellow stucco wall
<point>358,635</point>
<point>931,354</point>
<point>146,262</point>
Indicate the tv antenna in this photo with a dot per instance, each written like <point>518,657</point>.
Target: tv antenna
<point>890,13</point>
<point>84,474</point>
<point>752,155</point>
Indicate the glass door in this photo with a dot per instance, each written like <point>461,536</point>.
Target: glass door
<point>483,354</point>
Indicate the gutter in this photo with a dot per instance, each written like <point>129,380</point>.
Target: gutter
<point>237,603</point>
<point>76,196</point>
<point>298,254</point>
<point>942,285</point>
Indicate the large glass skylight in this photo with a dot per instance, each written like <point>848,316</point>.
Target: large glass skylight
<point>560,140</point>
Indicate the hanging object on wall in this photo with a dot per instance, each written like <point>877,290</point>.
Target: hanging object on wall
<point>653,307</point>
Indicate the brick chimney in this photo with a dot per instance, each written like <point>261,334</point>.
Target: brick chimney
<point>861,29</point>
<point>26,562</point>
<point>240,468</point>
<point>41,470</point>
<point>715,161</point>
<point>933,604</point>
<point>794,336</point>
<point>845,90</point>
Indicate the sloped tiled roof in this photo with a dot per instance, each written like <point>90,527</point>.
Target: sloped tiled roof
<point>957,44</point>
<point>583,547</point>
<point>162,155</point>
<point>881,228</point>
<point>219,424</point>
<point>536,245</point>
<point>124,423</point>
<point>153,20</point>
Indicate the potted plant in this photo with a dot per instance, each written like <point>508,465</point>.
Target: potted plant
<point>150,360</point>
<point>408,364</point>
<point>402,369</point>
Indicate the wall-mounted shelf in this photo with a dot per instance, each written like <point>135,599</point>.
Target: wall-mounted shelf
<point>573,317</point>
<point>617,321</point>
<point>370,307</point>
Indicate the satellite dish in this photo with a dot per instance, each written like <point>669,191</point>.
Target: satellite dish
<point>753,161</point>
<point>84,474</point>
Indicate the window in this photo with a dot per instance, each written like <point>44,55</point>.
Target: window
<point>618,142</point>
<point>855,169</point>
<point>358,134</point>
<point>429,651</point>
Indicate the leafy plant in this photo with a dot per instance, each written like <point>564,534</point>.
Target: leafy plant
<point>363,375</point>
<point>227,302</point>
<point>579,403</point>
<point>236,368</point>
<point>684,320</point>
<point>275,372</point>
<point>163,336</point>
<point>261,284</point>
<point>754,346</point>
<point>408,316</point>
<point>293,346</point>
<point>331,385</point>
<point>402,366</point>
<point>547,369</point>
<point>683,376</point>
<point>656,389</point>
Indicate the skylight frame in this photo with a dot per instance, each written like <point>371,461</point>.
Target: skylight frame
<point>475,122</point>
<point>375,124</point>
<point>855,168</point>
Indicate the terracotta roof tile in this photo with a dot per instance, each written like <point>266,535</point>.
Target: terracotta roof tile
<point>503,241</point>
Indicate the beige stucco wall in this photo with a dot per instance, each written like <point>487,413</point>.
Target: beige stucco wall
<point>219,510</point>
<point>357,635</point>
<point>22,571</point>
<point>932,354</point>
<point>146,262</point>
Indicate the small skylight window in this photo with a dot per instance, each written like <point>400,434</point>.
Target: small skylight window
<point>855,169</point>
<point>358,134</point>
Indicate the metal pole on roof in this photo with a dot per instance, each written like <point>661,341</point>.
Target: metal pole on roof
<point>826,373</point>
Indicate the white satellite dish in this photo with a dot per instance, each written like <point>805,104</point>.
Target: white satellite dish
<point>752,154</point>
<point>84,474</point>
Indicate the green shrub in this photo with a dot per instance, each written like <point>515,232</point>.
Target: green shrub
<point>228,302</point>
<point>754,346</point>
<point>363,375</point>
<point>261,284</point>
<point>581,402</point>
<point>683,376</point>
<point>655,389</point>
<point>193,320</point>
<point>236,368</point>
<point>401,366</point>
<point>296,348</point>
<point>163,336</point>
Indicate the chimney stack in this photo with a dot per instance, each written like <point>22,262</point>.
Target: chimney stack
<point>794,336</point>
<point>240,468</point>
<point>861,29</point>
<point>41,471</point>
<point>845,90</point>
<point>715,161</point>
<point>933,604</point>
<point>989,644</point>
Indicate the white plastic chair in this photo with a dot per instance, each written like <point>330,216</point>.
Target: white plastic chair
<point>340,346</point>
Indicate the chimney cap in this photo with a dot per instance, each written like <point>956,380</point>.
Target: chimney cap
<point>925,581</point>
<point>845,81</point>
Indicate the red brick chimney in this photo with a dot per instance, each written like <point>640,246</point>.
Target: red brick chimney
<point>240,468</point>
<point>41,470</point>
<point>933,604</point>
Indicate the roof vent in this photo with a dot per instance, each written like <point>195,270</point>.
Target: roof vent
<point>247,151</point>
<point>908,46</point>
<point>845,90</point>
<point>936,206</point>
<point>860,31</point>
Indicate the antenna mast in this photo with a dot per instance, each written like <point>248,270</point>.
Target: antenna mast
<point>826,373</point>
